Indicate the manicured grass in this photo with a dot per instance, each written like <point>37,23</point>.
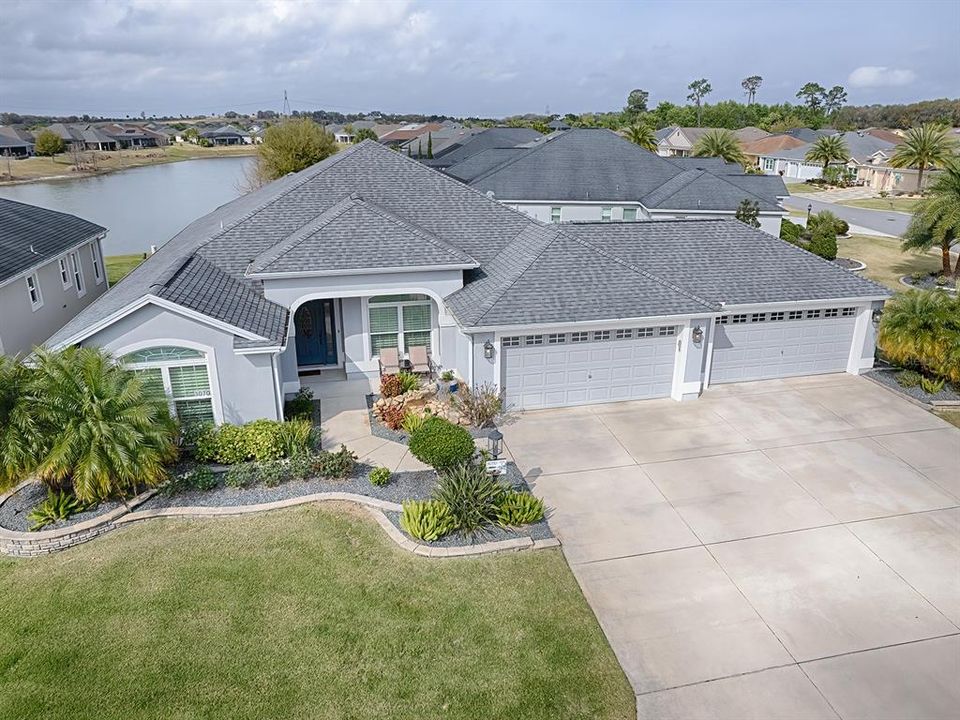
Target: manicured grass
<point>306,613</point>
<point>802,187</point>
<point>900,204</point>
<point>119,265</point>
<point>951,416</point>
<point>886,263</point>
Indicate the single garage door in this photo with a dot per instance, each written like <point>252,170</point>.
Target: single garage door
<point>591,366</point>
<point>760,346</point>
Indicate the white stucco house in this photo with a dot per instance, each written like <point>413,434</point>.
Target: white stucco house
<point>318,271</point>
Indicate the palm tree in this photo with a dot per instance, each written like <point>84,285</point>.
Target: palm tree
<point>936,219</point>
<point>106,433</point>
<point>923,147</point>
<point>922,328</point>
<point>828,149</point>
<point>643,135</point>
<point>721,144</point>
<point>18,428</point>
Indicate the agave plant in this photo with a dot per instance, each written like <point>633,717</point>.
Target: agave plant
<point>59,505</point>
<point>105,432</point>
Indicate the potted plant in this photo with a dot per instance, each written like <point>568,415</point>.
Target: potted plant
<point>450,379</point>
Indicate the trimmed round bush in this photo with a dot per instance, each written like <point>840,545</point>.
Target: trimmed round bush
<point>441,444</point>
<point>790,231</point>
<point>380,476</point>
<point>824,243</point>
<point>842,227</point>
<point>231,445</point>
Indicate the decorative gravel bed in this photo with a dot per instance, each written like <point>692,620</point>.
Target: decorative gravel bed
<point>380,430</point>
<point>14,511</point>
<point>928,282</point>
<point>850,264</point>
<point>888,377</point>
<point>536,531</point>
<point>403,485</point>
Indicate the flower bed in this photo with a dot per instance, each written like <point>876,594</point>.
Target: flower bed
<point>15,510</point>
<point>888,378</point>
<point>930,281</point>
<point>850,264</point>
<point>378,429</point>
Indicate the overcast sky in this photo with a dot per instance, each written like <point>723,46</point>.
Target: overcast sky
<point>488,58</point>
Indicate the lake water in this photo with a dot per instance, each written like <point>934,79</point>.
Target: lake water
<point>142,206</point>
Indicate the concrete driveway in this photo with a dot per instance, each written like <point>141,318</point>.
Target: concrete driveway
<point>780,549</point>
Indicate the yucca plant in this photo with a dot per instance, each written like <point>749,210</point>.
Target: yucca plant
<point>20,440</point>
<point>427,519</point>
<point>519,508</point>
<point>106,433</point>
<point>59,505</point>
<point>473,496</point>
<point>931,386</point>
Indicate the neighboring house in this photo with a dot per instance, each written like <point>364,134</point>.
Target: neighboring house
<point>675,141</point>
<point>809,135</point>
<point>557,124</point>
<point>342,134</point>
<point>792,163</point>
<point>51,267</point>
<point>411,131</point>
<point>472,141</point>
<point>226,135</point>
<point>368,249</point>
<point>596,175</point>
<point>769,147</point>
<point>131,136</point>
<point>15,143</point>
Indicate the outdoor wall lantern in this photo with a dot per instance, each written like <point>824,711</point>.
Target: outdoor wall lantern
<point>488,350</point>
<point>495,443</point>
<point>877,314</point>
<point>698,334</point>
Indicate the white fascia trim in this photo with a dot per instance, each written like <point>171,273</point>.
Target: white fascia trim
<point>159,302</point>
<point>363,271</point>
<point>271,350</point>
<point>53,258</point>
<point>590,203</point>
<point>701,211</point>
<point>599,324</point>
<point>800,303</point>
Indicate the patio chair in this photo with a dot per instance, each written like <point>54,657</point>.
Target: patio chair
<point>389,361</point>
<point>420,361</point>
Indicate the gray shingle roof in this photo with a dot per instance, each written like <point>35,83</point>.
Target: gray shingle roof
<point>701,190</point>
<point>469,146</point>
<point>31,235</point>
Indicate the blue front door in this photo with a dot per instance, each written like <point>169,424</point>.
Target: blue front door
<point>315,324</point>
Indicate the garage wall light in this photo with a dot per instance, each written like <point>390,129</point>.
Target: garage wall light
<point>698,334</point>
<point>488,350</point>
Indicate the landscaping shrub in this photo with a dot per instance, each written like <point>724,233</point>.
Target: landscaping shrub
<point>393,416</point>
<point>408,382</point>
<point>241,475</point>
<point>258,440</point>
<point>301,466</point>
<point>231,445</point>
<point>921,329</point>
<point>272,472</point>
<point>931,386</point>
<point>519,508</point>
<point>414,421</point>
<point>479,405</point>
<point>390,386</point>
<point>202,437</point>
<point>427,520</point>
<point>263,440</point>
<point>296,436</point>
<point>473,496</point>
<point>202,479</point>
<point>336,465</point>
<point>380,476</point>
<point>441,444</point>
<point>842,227</point>
<point>790,231</point>
<point>908,378</point>
<point>300,405</point>
<point>823,242</point>
<point>59,505</point>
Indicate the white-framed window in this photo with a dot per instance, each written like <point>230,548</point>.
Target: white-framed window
<point>776,316</point>
<point>556,338</point>
<point>533,340</point>
<point>33,292</point>
<point>64,273</point>
<point>77,271</point>
<point>758,317</point>
<point>400,321</point>
<point>769,163</point>
<point>512,341</point>
<point>576,337</point>
<point>606,214</point>
<point>848,312</point>
<point>831,312</point>
<point>624,334</point>
<point>795,315</point>
<point>645,332</point>
<point>666,330</point>
<point>601,335</point>
<point>738,319</point>
<point>554,214</point>
<point>629,214</point>
<point>181,375</point>
<point>97,262</point>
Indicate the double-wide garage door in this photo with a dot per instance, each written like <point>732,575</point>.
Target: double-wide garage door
<point>761,346</point>
<point>576,368</point>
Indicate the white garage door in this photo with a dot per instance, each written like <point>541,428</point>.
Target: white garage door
<point>759,346</point>
<point>560,369</point>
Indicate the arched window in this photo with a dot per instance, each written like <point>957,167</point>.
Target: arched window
<point>179,374</point>
<point>400,321</point>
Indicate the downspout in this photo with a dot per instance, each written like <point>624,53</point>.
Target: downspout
<point>277,392</point>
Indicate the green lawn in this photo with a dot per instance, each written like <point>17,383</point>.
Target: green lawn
<point>120,265</point>
<point>885,262</point>
<point>802,187</point>
<point>900,204</point>
<point>304,613</point>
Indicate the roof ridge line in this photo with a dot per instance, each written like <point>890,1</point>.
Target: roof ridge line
<point>416,229</point>
<point>529,151</point>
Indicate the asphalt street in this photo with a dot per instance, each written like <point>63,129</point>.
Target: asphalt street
<point>884,221</point>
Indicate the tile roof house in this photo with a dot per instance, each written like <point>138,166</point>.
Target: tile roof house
<point>51,268</point>
<point>792,163</point>
<point>680,141</point>
<point>321,270</point>
<point>594,174</point>
<point>411,131</point>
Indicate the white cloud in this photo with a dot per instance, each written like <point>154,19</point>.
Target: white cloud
<point>875,76</point>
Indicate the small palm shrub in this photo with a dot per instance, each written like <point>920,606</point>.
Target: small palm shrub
<point>908,378</point>
<point>390,386</point>
<point>519,508</point>
<point>921,328</point>
<point>59,505</point>
<point>19,434</point>
<point>441,444</point>
<point>931,386</point>
<point>408,382</point>
<point>427,520</point>
<point>479,405</point>
<point>380,476</point>
<point>473,496</point>
<point>336,465</point>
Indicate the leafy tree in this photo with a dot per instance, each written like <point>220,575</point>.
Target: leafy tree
<point>637,102</point>
<point>748,212</point>
<point>292,146</point>
<point>722,144</point>
<point>49,143</point>
<point>828,149</point>
<point>750,86</point>
<point>364,134</point>
<point>643,135</point>
<point>936,219</point>
<point>922,329</point>
<point>699,89</point>
<point>834,99</point>
<point>813,95</point>
<point>922,147</point>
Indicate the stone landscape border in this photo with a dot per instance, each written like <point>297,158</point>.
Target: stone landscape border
<point>45,542</point>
